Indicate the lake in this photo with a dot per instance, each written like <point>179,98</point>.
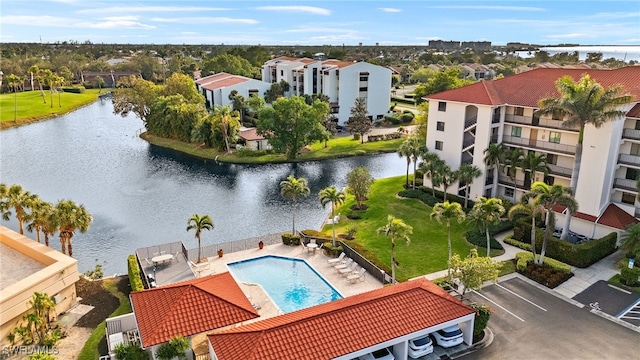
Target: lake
<point>142,195</point>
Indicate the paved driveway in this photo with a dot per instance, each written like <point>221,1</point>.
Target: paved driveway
<point>530,323</point>
<point>612,300</point>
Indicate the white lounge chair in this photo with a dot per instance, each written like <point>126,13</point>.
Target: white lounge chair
<point>351,269</point>
<point>357,276</point>
<point>344,266</point>
<point>337,260</point>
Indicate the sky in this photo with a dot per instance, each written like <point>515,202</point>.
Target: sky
<point>328,22</point>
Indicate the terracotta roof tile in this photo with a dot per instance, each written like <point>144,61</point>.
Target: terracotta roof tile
<point>617,218</point>
<point>634,112</point>
<point>223,82</point>
<point>213,77</point>
<point>526,89</point>
<point>351,324</point>
<point>189,307</point>
<point>250,134</point>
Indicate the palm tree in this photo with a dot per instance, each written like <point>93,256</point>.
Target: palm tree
<point>446,211</point>
<point>486,212</point>
<point>226,116</point>
<point>292,189</point>
<point>20,201</point>
<point>466,174</point>
<point>445,177</point>
<point>4,205</point>
<point>49,79</point>
<point>418,148</point>
<point>68,218</point>
<point>36,74</point>
<point>630,240</point>
<point>513,161</point>
<point>40,218</point>
<point>14,81</point>
<point>494,156</point>
<point>100,82</point>
<point>532,164</point>
<point>199,223</point>
<point>336,198</point>
<point>58,81</point>
<point>580,103</point>
<point>528,206</point>
<point>429,167</point>
<point>405,151</point>
<point>395,228</point>
<point>550,196</point>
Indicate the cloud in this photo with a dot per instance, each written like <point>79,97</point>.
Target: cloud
<point>206,20</point>
<point>390,10</point>
<point>117,22</point>
<point>126,22</point>
<point>132,9</point>
<point>297,8</point>
<point>489,7</point>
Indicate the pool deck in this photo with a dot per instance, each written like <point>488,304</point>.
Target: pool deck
<point>318,262</point>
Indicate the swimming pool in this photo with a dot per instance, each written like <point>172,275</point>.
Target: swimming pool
<point>291,283</point>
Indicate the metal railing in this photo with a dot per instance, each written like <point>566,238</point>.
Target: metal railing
<point>538,144</point>
<point>560,170</point>
<point>534,121</point>
<point>372,269</point>
<point>236,245</point>
<point>518,119</point>
<point>469,123</point>
<point>629,159</point>
<point>625,184</point>
<point>468,144</point>
<point>505,180</point>
<point>631,134</point>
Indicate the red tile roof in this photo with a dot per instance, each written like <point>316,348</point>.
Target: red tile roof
<point>526,89</point>
<point>250,134</point>
<point>617,218</point>
<point>341,327</point>
<point>634,112</point>
<point>224,82</point>
<point>213,77</point>
<point>190,307</point>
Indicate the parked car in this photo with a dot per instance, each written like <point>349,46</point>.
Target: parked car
<point>382,354</point>
<point>420,346</point>
<point>448,337</point>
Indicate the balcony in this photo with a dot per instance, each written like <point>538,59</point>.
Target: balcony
<point>538,144</point>
<point>468,144</point>
<point>629,159</point>
<point>469,123</point>
<point>505,180</point>
<point>559,170</point>
<point>625,184</point>
<point>632,134</point>
<point>534,121</point>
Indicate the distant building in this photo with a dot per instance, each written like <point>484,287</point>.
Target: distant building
<point>444,45</point>
<point>110,78</point>
<point>217,87</point>
<point>477,45</point>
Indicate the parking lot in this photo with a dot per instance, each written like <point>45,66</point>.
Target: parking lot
<point>530,323</point>
<point>612,300</point>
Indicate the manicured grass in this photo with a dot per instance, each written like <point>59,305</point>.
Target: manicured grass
<point>31,108</point>
<point>427,251</point>
<point>615,280</point>
<point>337,147</point>
<point>508,267</point>
<point>90,349</point>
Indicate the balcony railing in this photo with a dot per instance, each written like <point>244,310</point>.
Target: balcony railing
<point>469,123</point>
<point>494,139</point>
<point>632,134</point>
<point>625,184</point>
<point>534,121</point>
<point>629,159</point>
<point>559,170</point>
<point>489,180</point>
<point>467,144</point>
<point>538,144</point>
<point>505,180</point>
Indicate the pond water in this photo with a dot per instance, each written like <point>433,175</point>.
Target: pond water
<point>141,195</point>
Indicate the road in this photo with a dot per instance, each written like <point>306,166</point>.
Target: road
<point>529,323</point>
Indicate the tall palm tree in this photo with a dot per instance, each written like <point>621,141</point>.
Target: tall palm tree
<point>581,103</point>
<point>336,198</point>
<point>292,189</point>
<point>445,177</point>
<point>429,167</point>
<point>412,148</point>
<point>4,204</point>
<point>486,212</point>
<point>40,218</point>
<point>395,228</point>
<point>467,173</point>
<point>550,196</point>
<point>528,206</point>
<point>494,156</point>
<point>199,224</point>
<point>513,162</point>
<point>21,202</point>
<point>532,164</point>
<point>68,218</point>
<point>630,240</point>
<point>226,117</point>
<point>14,81</point>
<point>36,74</point>
<point>447,212</point>
<point>49,78</point>
<point>405,151</point>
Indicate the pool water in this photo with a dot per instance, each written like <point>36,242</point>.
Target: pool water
<point>291,283</point>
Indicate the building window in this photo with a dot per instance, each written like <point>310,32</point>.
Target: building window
<point>516,131</point>
<point>552,159</point>
<point>508,192</point>
<point>554,137</point>
<point>518,111</point>
<point>364,78</point>
<point>439,145</point>
<point>632,174</point>
<point>364,88</point>
<point>442,106</point>
<point>281,72</point>
<point>440,126</point>
<point>635,149</point>
<point>628,198</point>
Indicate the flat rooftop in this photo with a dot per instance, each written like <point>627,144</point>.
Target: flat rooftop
<point>15,266</point>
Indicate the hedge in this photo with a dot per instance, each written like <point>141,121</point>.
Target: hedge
<point>403,100</point>
<point>480,240</point>
<point>291,240</point>
<point>134,274</point>
<point>523,258</point>
<point>73,89</point>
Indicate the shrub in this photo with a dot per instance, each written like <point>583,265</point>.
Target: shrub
<point>483,313</point>
<point>73,89</point>
<point>332,251</point>
<point>407,118</point>
<point>371,256</point>
<point>356,136</point>
<point>354,216</point>
<point>392,119</point>
<point>360,152</point>
<point>480,240</point>
<point>291,240</point>
<point>312,233</point>
<point>523,258</point>
<point>629,277</point>
<point>134,274</point>
<point>545,275</point>
<point>524,246</point>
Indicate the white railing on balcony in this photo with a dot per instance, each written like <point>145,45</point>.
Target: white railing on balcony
<point>631,134</point>
<point>625,184</point>
<point>528,120</point>
<point>629,159</point>
<point>567,149</point>
<point>560,170</point>
<point>469,123</point>
<point>505,180</point>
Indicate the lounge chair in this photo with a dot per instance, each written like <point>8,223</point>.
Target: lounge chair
<point>345,265</point>
<point>337,260</point>
<point>357,276</point>
<point>351,269</point>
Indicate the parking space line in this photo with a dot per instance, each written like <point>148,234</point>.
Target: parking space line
<point>619,289</point>
<point>629,309</point>
<point>521,297</point>
<point>498,305</point>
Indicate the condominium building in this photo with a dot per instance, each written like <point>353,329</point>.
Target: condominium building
<point>464,121</point>
<point>342,81</point>
<point>216,88</point>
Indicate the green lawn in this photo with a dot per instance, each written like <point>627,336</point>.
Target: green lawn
<point>427,251</point>
<point>336,147</point>
<point>31,108</point>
